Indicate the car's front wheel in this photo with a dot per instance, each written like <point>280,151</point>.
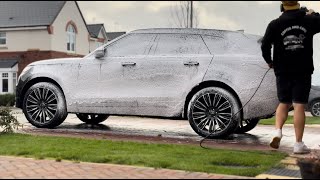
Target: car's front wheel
<point>315,108</point>
<point>92,118</point>
<point>44,105</point>
<point>213,112</point>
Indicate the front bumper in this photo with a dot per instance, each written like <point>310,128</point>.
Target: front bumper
<point>20,92</point>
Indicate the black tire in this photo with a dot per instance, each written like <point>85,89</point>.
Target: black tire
<point>92,118</point>
<point>315,108</point>
<point>212,108</point>
<point>44,105</point>
<point>246,125</point>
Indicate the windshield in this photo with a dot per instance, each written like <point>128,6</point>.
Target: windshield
<point>105,45</point>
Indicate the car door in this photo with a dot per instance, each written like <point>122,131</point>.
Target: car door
<point>118,92</point>
<point>175,64</point>
<point>102,85</point>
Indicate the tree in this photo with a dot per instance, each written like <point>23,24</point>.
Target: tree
<point>184,15</point>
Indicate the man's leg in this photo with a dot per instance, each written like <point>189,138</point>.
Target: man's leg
<point>299,120</point>
<point>299,123</point>
<point>301,92</point>
<point>281,117</point>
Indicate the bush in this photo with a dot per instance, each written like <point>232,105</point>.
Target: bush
<point>7,99</point>
<point>7,121</point>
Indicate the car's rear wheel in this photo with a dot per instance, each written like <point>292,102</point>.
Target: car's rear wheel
<point>247,125</point>
<point>315,108</point>
<point>212,112</point>
<point>92,118</point>
<point>44,105</point>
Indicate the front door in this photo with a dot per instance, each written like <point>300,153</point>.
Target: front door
<point>117,91</point>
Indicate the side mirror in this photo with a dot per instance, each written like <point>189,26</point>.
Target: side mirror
<point>100,53</point>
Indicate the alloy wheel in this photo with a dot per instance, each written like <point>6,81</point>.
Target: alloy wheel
<point>212,112</point>
<point>41,105</point>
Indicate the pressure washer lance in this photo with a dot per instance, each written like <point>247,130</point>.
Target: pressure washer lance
<point>240,108</point>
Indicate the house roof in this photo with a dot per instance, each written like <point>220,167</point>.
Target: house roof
<point>8,63</point>
<point>94,29</point>
<point>113,35</point>
<point>29,13</point>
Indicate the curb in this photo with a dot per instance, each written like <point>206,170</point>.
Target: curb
<point>288,169</point>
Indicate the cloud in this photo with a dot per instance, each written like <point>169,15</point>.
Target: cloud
<point>267,2</point>
<point>156,6</point>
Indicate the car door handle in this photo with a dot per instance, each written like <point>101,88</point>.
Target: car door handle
<point>191,63</point>
<point>128,63</point>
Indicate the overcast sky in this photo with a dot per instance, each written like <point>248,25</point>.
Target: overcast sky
<point>252,16</point>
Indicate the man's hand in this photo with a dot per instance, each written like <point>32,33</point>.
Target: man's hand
<point>270,65</point>
<point>310,12</point>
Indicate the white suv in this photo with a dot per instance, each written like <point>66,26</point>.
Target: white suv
<point>203,75</point>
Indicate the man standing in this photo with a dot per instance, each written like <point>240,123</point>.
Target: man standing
<point>292,38</point>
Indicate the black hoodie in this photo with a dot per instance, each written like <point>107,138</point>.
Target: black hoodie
<point>292,36</point>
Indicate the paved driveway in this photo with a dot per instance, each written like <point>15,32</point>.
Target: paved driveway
<point>125,125</point>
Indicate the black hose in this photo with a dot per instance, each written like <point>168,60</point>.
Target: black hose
<point>239,110</point>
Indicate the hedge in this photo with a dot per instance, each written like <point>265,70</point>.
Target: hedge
<point>7,99</point>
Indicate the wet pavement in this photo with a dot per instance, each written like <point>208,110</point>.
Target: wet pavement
<point>177,129</point>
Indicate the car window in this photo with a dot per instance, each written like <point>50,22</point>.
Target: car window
<point>177,44</point>
<point>233,43</point>
<point>131,45</point>
<point>216,45</point>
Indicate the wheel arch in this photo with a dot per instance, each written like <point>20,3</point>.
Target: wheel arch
<point>312,101</point>
<point>206,84</point>
<point>35,81</point>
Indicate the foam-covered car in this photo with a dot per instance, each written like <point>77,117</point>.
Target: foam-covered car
<point>202,75</point>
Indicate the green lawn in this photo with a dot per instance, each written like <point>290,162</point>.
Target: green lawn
<point>181,157</point>
<point>271,121</point>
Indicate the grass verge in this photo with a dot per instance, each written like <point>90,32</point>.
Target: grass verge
<point>180,157</point>
<point>271,121</point>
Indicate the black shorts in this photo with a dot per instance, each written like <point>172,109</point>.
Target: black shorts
<point>293,89</point>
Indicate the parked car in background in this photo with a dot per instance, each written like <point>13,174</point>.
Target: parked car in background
<point>314,96</point>
<point>203,75</point>
<point>314,101</point>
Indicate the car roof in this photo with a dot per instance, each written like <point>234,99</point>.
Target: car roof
<point>212,32</point>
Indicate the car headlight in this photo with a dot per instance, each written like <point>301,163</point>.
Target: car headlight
<point>25,70</point>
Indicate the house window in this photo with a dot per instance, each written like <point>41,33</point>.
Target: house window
<point>5,82</point>
<point>14,81</point>
<point>3,38</point>
<point>71,38</point>
<point>99,44</point>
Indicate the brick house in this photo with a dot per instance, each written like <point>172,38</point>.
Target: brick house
<point>98,36</point>
<point>8,75</point>
<point>36,30</point>
<point>113,35</point>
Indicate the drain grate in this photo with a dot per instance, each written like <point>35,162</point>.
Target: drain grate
<point>284,172</point>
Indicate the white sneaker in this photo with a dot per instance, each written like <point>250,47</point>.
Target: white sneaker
<point>275,142</point>
<point>300,148</point>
